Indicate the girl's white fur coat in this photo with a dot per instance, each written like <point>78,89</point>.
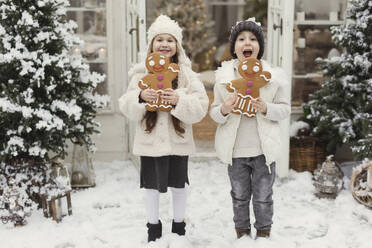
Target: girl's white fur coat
<point>192,106</point>
<point>275,94</point>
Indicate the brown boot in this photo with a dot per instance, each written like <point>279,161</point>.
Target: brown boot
<point>263,233</point>
<point>241,232</point>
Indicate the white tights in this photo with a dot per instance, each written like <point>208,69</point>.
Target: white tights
<point>152,204</point>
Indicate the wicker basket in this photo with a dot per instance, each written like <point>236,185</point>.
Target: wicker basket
<point>306,152</point>
<point>358,185</point>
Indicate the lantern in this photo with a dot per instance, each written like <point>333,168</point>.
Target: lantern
<point>82,172</point>
<point>328,179</point>
<point>59,174</point>
<point>11,200</point>
<point>52,201</point>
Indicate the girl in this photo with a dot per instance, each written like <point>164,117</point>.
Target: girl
<point>250,145</point>
<point>164,140</point>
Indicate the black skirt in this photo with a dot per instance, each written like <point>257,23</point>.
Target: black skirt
<point>163,172</point>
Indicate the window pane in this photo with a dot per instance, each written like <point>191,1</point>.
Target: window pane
<point>90,16</point>
<point>312,40</point>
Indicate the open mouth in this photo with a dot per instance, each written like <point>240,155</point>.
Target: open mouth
<point>158,68</point>
<point>247,53</point>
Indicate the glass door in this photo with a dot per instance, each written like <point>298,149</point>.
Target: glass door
<point>90,16</point>
<point>136,49</point>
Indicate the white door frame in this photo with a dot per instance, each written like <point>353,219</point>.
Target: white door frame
<point>136,51</point>
<point>280,26</point>
<point>112,142</point>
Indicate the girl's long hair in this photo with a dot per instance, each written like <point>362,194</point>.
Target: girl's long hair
<point>150,118</point>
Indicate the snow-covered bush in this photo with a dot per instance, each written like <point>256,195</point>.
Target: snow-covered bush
<point>46,95</point>
<point>341,110</point>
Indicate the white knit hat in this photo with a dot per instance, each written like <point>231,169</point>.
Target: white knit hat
<point>164,25</point>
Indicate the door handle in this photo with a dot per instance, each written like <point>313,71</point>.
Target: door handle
<point>132,30</point>
<point>135,30</point>
<point>279,26</point>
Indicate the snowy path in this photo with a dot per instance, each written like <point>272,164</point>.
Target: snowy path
<point>111,215</point>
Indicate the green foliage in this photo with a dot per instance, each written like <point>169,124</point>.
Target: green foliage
<point>45,99</point>
<point>46,93</point>
<point>341,111</point>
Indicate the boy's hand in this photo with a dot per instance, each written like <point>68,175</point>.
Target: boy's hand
<point>260,105</point>
<point>229,104</point>
<point>149,95</point>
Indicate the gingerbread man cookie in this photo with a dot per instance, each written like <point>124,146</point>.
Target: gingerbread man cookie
<point>248,87</point>
<point>160,77</point>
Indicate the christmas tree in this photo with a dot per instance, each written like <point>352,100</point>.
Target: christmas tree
<point>341,110</point>
<point>257,9</point>
<point>46,98</point>
<point>192,17</point>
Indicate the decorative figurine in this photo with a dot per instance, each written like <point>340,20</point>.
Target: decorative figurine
<point>328,179</point>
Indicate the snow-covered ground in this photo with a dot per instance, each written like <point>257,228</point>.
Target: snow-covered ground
<point>112,215</point>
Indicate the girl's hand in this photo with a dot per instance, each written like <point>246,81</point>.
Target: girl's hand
<point>260,105</point>
<point>229,104</point>
<point>170,96</point>
<point>149,95</point>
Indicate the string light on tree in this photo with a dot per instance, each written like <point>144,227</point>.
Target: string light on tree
<point>192,17</point>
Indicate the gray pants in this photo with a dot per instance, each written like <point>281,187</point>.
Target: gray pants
<point>250,177</point>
